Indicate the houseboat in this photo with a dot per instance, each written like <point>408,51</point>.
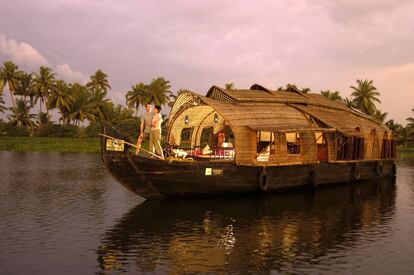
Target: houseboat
<point>253,140</point>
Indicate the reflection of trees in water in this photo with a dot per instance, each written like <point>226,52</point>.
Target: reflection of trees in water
<point>280,232</point>
<point>38,180</point>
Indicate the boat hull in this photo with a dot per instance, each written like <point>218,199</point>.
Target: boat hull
<point>154,178</point>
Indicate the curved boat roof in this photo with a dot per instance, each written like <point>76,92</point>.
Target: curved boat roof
<point>260,108</point>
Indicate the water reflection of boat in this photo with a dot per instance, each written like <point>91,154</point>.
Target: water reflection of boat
<point>254,140</point>
<point>248,233</point>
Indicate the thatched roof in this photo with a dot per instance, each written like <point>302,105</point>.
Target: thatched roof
<point>260,108</point>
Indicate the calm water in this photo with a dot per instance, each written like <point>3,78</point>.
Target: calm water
<point>61,214</point>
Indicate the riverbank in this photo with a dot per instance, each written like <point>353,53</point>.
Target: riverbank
<point>43,144</point>
<point>91,145</point>
<point>405,152</point>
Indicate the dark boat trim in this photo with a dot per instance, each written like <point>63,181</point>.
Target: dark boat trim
<point>154,178</point>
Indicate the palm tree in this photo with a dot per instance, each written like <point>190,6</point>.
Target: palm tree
<point>137,96</point>
<point>229,86</point>
<point>349,103</point>
<point>25,87</point>
<point>116,114</point>
<point>331,95</point>
<point>380,116</point>
<point>60,98</point>
<point>411,121</point>
<point>305,90</point>
<point>43,118</point>
<point>2,107</point>
<point>20,114</point>
<point>158,91</point>
<point>98,102</point>
<point>365,96</point>
<point>394,127</point>
<point>83,106</point>
<point>99,81</point>
<point>289,88</point>
<point>44,83</point>
<point>9,75</point>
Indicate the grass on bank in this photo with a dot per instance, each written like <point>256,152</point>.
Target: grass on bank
<point>43,144</point>
<point>405,152</point>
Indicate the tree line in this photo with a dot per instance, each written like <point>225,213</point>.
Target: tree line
<point>77,103</point>
<point>74,102</point>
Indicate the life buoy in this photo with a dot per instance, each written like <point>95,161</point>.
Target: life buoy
<point>379,169</point>
<point>263,181</point>
<point>356,173</point>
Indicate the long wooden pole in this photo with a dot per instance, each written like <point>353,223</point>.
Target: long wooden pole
<point>132,145</point>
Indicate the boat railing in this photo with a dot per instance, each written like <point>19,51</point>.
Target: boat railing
<point>197,152</point>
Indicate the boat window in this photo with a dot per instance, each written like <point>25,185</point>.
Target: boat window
<point>229,134</point>
<point>265,145</point>
<point>186,134</point>
<point>264,140</point>
<point>343,148</point>
<point>350,148</point>
<point>358,147</point>
<point>207,137</point>
<point>320,138</point>
<point>389,148</point>
<point>293,143</point>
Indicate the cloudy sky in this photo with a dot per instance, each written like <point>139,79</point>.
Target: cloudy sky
<point>320,44</point>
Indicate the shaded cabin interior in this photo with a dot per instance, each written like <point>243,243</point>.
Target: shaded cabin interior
<point>258,126</point>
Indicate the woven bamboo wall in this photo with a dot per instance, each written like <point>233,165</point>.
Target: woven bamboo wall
<point>245,145</point>
<point>307,150</point>
<point>196,115</point>
<point>330,140</point>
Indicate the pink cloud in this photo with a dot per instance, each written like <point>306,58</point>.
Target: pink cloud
<point>22,53</point>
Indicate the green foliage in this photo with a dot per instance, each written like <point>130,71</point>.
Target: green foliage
<point>348,102</point>
<point>293,88</point>
<point>21,114</point>
<point>9,76</point>
<point>365,96</point>
<point>158,91</point>
<point>99,81</point>
<point>44,84</point>
<point>331,95</point>
<point>137,96</point>
<point>12,130</point>
<point>129,127</point>
<point>47,130</point>
<point>23,144</point>
<point>2,106</point>
<point>411,121</point>
<point>93,130</point>
<point>229,86</point>
<point>61,99</point>
<point>380,116</point>
<point>24,87</point>
<point>56,130</point>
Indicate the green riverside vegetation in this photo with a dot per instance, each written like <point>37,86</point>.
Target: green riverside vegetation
<point>405,152</point>
<point>43,144</point>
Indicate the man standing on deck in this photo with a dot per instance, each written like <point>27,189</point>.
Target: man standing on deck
<point>155,136</point>
<point>146,119</point>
